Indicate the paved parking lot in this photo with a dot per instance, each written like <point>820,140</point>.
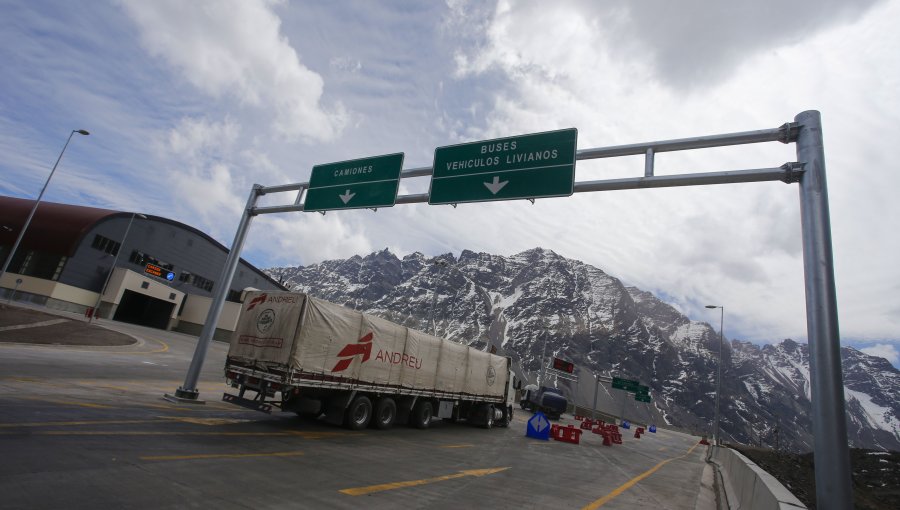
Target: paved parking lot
<point>86,427</point>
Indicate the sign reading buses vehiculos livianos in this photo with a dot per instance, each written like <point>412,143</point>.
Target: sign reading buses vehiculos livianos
<point>528,166</point>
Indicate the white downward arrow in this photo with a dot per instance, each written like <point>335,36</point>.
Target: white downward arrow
<point>495,186</point>
<point>347,196</point>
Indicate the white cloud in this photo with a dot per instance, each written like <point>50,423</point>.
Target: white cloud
<point>737,245</point>
<point>234,49</point>
<point>886,351</point>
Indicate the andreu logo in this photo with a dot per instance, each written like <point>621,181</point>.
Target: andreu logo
<point>257,301</point>
<point>350,351</point>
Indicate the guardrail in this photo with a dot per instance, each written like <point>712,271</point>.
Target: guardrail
<point>747,486</point>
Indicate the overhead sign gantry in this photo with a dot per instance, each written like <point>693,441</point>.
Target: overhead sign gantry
<point>833,487</point>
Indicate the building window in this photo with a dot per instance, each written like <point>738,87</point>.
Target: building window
<point>234,296</point>
<point>142,259</point>
<point>106,245</point>
<point>172,296</point>
<point>196,280</point>
<point>59,268</point>
<point>145,285</point>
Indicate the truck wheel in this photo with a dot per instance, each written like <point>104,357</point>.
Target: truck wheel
<point>358,413</point>
<point>507,417</point>
<point>385,412</point>
<point>421,415</point>
<point>488,416</point>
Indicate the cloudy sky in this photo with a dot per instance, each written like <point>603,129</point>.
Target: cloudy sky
<point>190,103</point>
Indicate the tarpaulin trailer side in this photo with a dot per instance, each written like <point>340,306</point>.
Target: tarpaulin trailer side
<point>298,343</point>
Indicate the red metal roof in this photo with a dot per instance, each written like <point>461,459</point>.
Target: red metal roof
<point>55,228</point>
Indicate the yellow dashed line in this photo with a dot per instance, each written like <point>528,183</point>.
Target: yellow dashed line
<point>221,456</point>
<point>361,491</point>
<point>155,433</point>
<point>74,423</point>
<point>205,421</point>
<point>627,485</point>
<point>70,403</point>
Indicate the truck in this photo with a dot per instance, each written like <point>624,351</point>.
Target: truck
<point>545,399</point>
<point>305,355</point>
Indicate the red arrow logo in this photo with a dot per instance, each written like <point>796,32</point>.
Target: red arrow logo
<point>350,351</point>
<point>256,301</point>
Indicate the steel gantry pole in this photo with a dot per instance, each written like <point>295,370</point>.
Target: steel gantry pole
<point>188,392</point>
<point>718,374</point>
<point>831,453</point>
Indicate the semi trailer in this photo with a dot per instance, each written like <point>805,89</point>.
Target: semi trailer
<point>302,354</point>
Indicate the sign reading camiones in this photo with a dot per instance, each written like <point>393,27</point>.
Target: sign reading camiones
<point>529,166</point>
<point>355,184</point>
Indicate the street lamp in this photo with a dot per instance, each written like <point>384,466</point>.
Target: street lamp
<point>36,202</point>
<point>113,267</point>
<point>718,373</point>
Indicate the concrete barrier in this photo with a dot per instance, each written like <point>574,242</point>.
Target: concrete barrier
<point>747,486</point>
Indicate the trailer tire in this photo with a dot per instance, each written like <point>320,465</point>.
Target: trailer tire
<point>421,414</point>
<point>488,416</point>
<point>507,417</point>
<point>385,413</point>
<point>358,413</point>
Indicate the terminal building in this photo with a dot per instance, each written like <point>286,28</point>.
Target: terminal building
<point>157,272</point>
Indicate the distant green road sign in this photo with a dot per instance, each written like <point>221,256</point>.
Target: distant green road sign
<point>642,390</point>
<point>529,166</point>
<point>642,398</point>
<point>355,184</point>
<point>624,384</point>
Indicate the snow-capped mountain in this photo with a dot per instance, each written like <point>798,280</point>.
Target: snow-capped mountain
<point>538,304</point>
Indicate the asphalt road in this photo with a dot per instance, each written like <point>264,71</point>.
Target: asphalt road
<point>86,427</point>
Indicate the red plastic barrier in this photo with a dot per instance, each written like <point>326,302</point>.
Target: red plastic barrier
<point>598,430</point>
<point>568,434</point>
<point>586,424</point>
<point>606,440</point>
<point>637,434</point>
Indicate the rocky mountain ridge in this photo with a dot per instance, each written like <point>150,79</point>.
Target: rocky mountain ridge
<point>538,304</point>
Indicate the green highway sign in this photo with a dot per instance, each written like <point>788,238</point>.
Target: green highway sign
<point>624,384</point>
<point>529,166</point>
<point>355,184</point>
<point>642,390</point>
<point>642,398</point>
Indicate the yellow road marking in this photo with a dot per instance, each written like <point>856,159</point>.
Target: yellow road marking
<point>70,423</point>
<point>627,485</point>
<point>204,421</point>
<point>360,491</point>
<point>69,403</point>
<point>458,446</point>
<point>95,385</point>
<point>152,433</point>
<point>221,456</point>
<point>319,435</point>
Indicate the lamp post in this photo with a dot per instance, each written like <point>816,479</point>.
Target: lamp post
<point>718,373</point>
<point>36,202</point>
<point>113,267</point>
